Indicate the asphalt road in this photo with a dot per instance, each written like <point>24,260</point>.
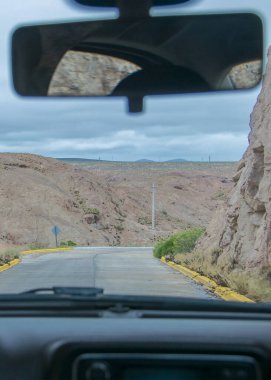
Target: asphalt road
<point>116,270</point>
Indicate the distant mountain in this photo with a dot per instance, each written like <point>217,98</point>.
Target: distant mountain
<point>176,160</point>
<point>86,160</point>
<point>145,160</point>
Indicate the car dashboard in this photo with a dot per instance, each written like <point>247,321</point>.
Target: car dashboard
<point>134,345</point>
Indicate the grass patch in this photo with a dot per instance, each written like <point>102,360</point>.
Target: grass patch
<point>37,245</point>
<point>181,242</point>
<point>255,285</point>
<point>69,243</point>
<point>9,254</point>
<point>93,211</point>
<point>203,264</point>
<point>220,195</point>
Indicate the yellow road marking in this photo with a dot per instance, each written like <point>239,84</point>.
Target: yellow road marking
<point>9,265</point>
<point>28,252</point>
<point>14,262</point>
<point>223,292</point>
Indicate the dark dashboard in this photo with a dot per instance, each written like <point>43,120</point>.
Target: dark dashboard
<point>131,348</point>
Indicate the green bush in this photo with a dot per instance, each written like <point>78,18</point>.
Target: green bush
<point>68,243</point>
<point>181,242</point>
<point>185,241</point>
<point>164,247</point>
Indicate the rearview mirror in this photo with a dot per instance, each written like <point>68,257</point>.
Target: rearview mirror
<point>139,57</point>
<point>115,3</point>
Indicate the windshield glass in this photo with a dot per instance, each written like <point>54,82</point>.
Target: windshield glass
<point>171,201</point>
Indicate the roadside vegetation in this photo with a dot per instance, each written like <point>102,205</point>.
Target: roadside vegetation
<point>69,243</point>
<point>180,248</point>
<point>37,245</point>
<point>181,242</point>
<point>9,254</point>
<point>255,284</point>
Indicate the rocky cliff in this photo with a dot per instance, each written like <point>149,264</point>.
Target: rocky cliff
<point>240,234</point>
<point>89,74</point>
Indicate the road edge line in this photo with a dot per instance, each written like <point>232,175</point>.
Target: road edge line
<point>9,265</point>
<point>14,262</point>
<point>223,292</point>
<point>30,251</point>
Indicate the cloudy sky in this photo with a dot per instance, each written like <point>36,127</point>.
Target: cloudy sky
<point>190,127</point>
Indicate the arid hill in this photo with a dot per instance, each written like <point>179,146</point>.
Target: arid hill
<point>104,204</point>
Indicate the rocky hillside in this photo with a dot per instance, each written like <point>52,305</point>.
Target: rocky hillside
<point>240,234</point>
<point>102,206</point>
<point>82,73</point>
<point>37,193</point>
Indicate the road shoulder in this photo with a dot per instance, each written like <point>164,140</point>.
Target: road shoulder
<point>223,292</point>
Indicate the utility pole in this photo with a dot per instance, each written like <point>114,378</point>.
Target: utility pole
<point>153,205</point>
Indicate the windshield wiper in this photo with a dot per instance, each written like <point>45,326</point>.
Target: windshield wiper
<point>86,296</point>
<point>91,300</point>
<point>67,291</point>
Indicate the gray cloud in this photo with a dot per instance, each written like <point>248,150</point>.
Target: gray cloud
<point>178,127</point>
<point>191,127</point>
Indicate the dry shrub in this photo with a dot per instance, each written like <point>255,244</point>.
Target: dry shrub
<point>9,254</point>
<point>255,285</point>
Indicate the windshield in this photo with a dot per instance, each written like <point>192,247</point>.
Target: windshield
<point>171,201</point>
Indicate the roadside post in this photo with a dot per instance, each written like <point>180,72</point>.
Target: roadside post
<point>56,231</point>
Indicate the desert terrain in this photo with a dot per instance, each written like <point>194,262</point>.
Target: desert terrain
<point>105,203</point>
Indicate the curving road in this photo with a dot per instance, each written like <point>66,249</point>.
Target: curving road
<point>118,270</point>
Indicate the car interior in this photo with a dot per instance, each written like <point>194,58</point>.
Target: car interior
<point>80,333</point>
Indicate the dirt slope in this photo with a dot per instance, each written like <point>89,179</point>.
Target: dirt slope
<point>103,206</point>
